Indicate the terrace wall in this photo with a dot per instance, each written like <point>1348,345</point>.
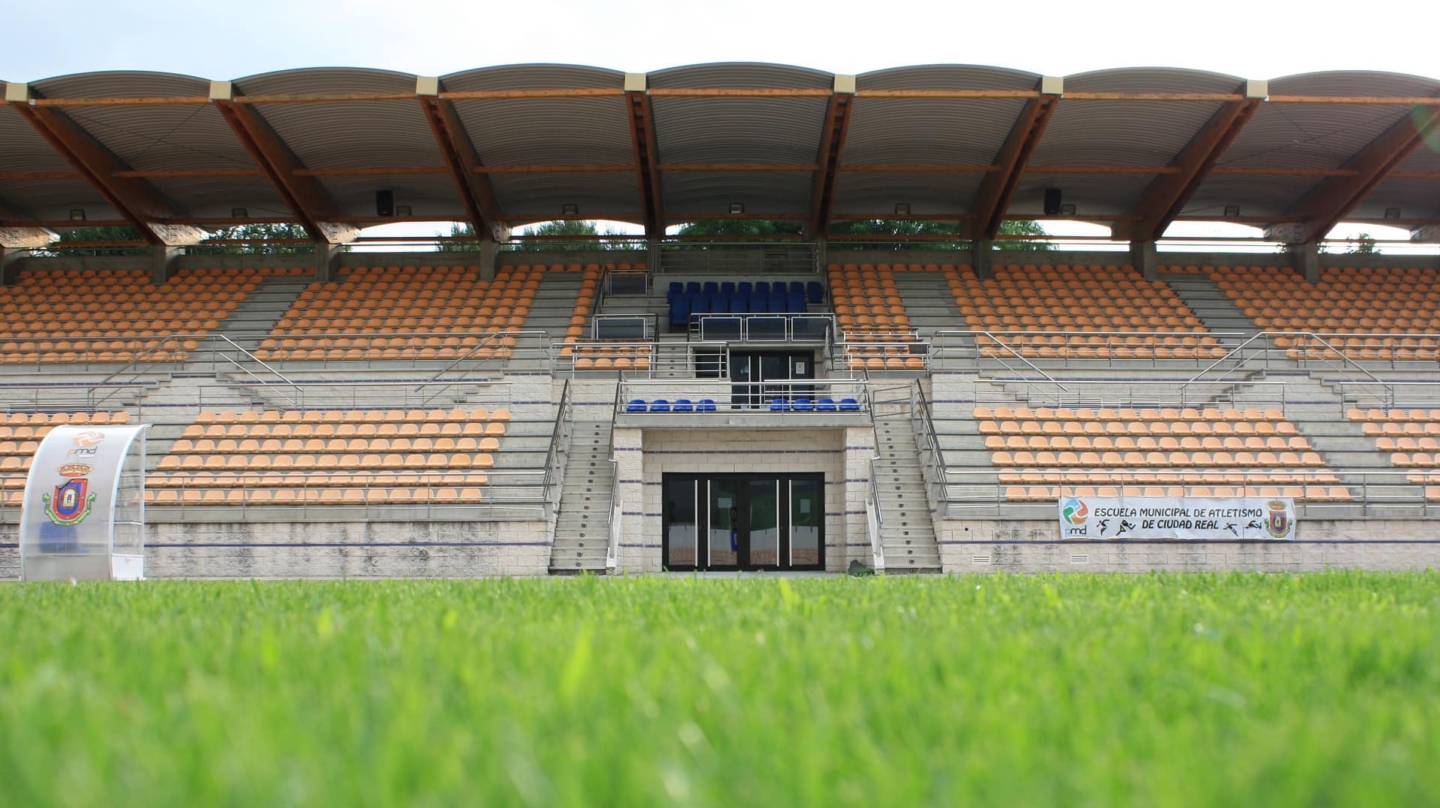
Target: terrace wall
<point>1028,546</point>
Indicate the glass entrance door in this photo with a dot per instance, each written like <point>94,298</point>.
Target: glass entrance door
<point>743,522</point>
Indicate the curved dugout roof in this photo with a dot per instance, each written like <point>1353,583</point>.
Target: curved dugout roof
<point>1135,148</point>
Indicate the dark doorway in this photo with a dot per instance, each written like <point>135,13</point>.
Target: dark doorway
<point>743,522</point>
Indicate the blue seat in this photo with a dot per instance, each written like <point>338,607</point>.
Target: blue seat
<point>758,305</point>
<point>849,405</point>
<point>684,405</point>
<point>795,301</point>
<point>700,304</point>
<point>721,304</point>
<point>825,405</point>
<point>680,311</point>
<point>762,287</point>
<point>711,287</point>
<point>635,405</point>
<point>779,405</point>
<point>740,304</point>
<point>727,287</point>
<point>777,303</point>
<point>659,405</point>
<point>692,288</point>
<point>797,286</point>
<point>705,405</point>
<point>745,288</point>
<point>814,292</point>
<point>676,289</point>
<point>803,405</point>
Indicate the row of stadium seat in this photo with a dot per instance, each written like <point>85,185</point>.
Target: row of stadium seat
<point>1176,459</point>
<point>1049,493</point>
<point>1176,428</point>
<point>377,416</point>
<point>1146,443</point>
<point>314,445</point>
<point>374,461</point>
<point>1162,414</point>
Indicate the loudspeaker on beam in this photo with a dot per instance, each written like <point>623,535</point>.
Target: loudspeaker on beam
<point>385,203</point>
<point>1052,201</point>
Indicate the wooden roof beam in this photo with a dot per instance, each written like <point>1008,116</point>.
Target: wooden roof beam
<point>22,236</point>
<point>458,151</point>
<point>832,149</point>
<point>647,152</point>
<point>305,196</point>
<point>1167,195</point>
<point>137,202</point>
<point>1324,206</point>
<point>999,186</point>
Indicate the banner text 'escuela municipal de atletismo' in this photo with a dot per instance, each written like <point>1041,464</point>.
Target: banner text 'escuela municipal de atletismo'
<point>1181,518</point>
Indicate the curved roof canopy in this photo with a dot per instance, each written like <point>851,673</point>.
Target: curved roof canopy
<point>1135,148</point>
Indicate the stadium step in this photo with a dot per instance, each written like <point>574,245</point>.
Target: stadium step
<point>928,302</point>
<point>907,529</point>
<point>582,528</point>
<point>1210,303</point>
<point>554,303</point>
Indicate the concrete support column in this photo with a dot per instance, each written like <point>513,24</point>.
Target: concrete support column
<point>822,249</point>
<point>1143,258</point>
<point>628,447</point>
<point>1305,259</point>
<point>327,261</point>
<point>982,257</point>
<point>162,258</point>
<point>489,258</point>
<point>854,545</point>
<point>10,263</point>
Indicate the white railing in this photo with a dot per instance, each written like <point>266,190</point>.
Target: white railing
<point>792,328</point>
<point>845,396</point>
<point>873,521</point>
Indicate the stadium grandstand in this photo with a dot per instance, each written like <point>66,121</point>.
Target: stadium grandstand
<point>802,401</point>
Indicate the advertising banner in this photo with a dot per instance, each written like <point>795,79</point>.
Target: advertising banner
<point>1180,518</point>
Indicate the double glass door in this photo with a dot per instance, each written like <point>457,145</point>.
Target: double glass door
<point>744,522</point>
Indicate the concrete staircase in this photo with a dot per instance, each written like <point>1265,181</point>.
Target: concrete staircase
<point>1209,303</point>
<point>582,528</point>
<point>928,302</point>
<point>907,529</point>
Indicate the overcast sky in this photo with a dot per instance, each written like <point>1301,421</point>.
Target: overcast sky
<point>225,40</point>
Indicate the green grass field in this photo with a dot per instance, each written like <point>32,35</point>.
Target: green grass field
<point>1315,690</point>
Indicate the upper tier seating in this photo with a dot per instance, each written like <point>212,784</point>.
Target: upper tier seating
<point>1346,302</point>
<point>1076,306</point>
<point>871,316</point>
<point>610,355</point>
<point>1209,452</point>
<point>116,315</point>
<point>20,435</point>
<point>331,457</point>
<point>738,297</point>
<point>404,313</point>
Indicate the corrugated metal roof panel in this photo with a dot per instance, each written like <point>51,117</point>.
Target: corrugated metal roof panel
<point>24,148</point>
<point>886,131</point>
<point>120,84</point>
<point>1416,199</point>
<point>738,130</point>
<point>1091,194</point>
<point>164,138</point>
<point>1151,80</point>
<point>552,131</point>
<point>1105,133</point>
<point>741,75</point>
<point>1308,135</point>
<point>540,196</point>
<point>875,193</point>
<point>427,195</point>
<point>205,197</point>
<point>355,134</point>
<point>51,200</point>
<point>533,77</point>
<point>1256,196</point>
<point>946,77</point>
<point>700,193</point>
<point>326,80</point>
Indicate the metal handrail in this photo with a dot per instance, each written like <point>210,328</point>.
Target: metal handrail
<point>517,335</point>
<point>696,330</point>
<point>939,335</point>
<point>199,339</point>
<point>874,520</point>
<point>922,422</point>
<point>559,445</point>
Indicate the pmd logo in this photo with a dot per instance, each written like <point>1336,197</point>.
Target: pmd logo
<point>1074,513</point>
